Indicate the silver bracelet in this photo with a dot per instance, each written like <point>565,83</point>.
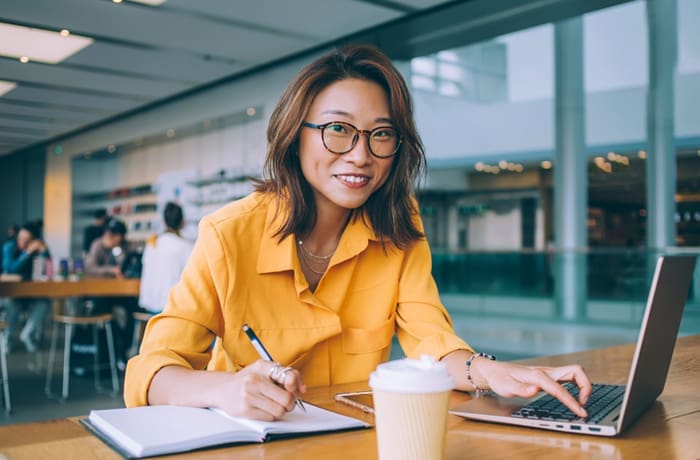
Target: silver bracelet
<point>468,364</point>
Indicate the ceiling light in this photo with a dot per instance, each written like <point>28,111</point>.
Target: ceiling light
<point>149,2</point>
<point>6,87</point>
<point>546,164</point>
<point>26,43</point>
<point>116,1</point>
<point>64,32</point>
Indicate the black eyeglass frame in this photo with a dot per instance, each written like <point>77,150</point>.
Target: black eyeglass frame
<point>358,131</point>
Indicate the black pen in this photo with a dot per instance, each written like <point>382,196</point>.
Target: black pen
<point>264,354</point>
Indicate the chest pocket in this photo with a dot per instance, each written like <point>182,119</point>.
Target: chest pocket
<point>368,340</point>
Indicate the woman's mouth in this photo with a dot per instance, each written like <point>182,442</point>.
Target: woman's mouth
<point>352,180</point>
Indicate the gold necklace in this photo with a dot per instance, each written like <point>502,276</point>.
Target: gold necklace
<point>306,262</point>
<point>311,254</point>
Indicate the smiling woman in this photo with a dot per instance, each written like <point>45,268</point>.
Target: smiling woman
<point>326,260</point>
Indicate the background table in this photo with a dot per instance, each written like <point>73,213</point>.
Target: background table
<point>669,430</point>
<point>93,287</point>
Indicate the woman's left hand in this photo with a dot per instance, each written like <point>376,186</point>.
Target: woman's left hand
<point>510,380</point>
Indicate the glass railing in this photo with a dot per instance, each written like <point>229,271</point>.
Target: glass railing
<point>505,302</point>
<point>612,276</point>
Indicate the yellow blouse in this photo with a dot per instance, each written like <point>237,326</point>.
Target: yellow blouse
<point>240,273</point>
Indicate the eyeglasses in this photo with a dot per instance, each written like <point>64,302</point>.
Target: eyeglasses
<point>340,137</point>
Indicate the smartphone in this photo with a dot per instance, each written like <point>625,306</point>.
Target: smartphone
<point>360,400</point>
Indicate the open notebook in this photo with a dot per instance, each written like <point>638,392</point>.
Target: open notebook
<point>157,430</point>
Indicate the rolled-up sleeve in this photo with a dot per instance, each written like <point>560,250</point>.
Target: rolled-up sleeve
<point>183,334</point>
<point>423,324</point>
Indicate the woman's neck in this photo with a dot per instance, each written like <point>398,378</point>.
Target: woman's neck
<point>325,234</point>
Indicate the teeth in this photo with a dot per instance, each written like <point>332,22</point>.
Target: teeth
<point>353,179</point>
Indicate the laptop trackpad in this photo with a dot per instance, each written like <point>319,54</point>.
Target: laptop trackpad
<point>489,405</point>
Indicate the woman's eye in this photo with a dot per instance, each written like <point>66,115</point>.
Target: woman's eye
<point>387,133</point>
<point>337,128</point>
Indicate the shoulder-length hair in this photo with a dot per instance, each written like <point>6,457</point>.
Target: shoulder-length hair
<point>391,209</point>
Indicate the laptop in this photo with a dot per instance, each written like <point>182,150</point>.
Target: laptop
<point>611,408</point>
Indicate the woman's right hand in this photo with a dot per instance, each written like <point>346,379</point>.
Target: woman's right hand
<point>252,393</point>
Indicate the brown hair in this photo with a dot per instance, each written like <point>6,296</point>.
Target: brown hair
<point>391,208</point>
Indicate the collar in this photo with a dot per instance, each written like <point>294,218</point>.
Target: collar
<point>275,255</point>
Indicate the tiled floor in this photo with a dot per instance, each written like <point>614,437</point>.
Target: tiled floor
<point>27,375</point>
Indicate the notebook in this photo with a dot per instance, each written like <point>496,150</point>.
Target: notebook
<point>619,405</point>
<point>156,430</point>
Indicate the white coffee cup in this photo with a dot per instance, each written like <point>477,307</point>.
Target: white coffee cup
<point>410,408</point>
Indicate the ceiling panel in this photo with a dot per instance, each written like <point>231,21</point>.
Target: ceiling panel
<point>166,65</point>
<point>420,4</point>
<point>51,126</point>
<point>67,77</point>
<point>47,110</point>
<point>309,19</point>
<point>57,96</point>
<point>155,27</point>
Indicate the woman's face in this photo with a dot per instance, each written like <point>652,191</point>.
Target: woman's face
<point>111,240</point>
<point>345,181</point>
<point>24,237</point>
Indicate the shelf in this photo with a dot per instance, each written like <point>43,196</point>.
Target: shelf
<point>217,201</point>
<point>125,210</point>
<point>116,194</point>
<point>219,180</point>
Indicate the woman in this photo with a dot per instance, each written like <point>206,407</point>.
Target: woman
<point>326,261</point>
<point>164,258</point>
<point>19,256</point>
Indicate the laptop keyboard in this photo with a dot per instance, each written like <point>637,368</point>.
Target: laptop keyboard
<point>604,399</point>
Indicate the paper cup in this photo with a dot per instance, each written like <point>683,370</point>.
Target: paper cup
<point>410,404</point>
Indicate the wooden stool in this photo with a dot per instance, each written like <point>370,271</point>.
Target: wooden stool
<point>140,320</point>
<point>96,321</point>
<point>3,366</point>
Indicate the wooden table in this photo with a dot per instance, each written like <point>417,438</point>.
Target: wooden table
<point>669,430</point>
<point>96,287</point>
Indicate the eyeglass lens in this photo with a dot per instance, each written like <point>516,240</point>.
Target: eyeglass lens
<point>341,138</point>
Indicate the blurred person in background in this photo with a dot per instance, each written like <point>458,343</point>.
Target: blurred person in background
<point>164,258</point>
<point>107,253</point>
<point>94,230</point>
<point>18,257</point>
<point>12,231</point>
<point>106,260</point>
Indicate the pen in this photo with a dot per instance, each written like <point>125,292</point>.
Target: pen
<point>264,354</point>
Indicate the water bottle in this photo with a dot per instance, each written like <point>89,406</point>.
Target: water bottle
<point>48,268</point>
<point>38,266</point>
<point>63,269</point>
<point>78,268</point>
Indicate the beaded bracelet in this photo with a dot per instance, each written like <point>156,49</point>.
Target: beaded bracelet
<point>477,390</point>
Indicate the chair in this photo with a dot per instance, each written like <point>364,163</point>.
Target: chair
<point>3,366</point>
<point>140,320</point>
<point>97,321</point>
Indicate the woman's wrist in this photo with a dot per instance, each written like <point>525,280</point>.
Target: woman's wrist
<point>477,371</point>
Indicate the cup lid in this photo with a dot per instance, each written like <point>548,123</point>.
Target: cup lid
<point>424,375</point>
